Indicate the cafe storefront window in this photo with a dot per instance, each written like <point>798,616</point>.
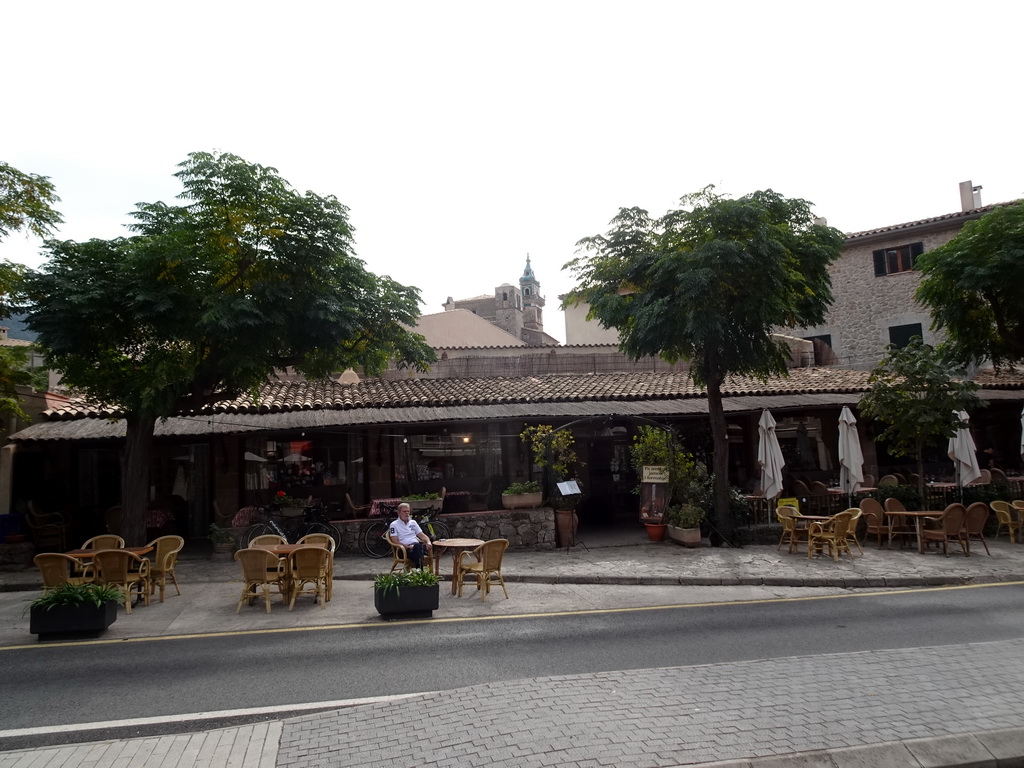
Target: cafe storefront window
<point>455,459</point>
<point>325,468</point>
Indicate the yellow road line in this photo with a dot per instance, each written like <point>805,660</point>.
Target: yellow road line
<point>466,619</point>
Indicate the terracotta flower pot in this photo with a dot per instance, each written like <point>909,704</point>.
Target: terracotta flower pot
<point>656,531</point>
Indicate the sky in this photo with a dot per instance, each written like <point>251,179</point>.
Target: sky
<point>465,135</point>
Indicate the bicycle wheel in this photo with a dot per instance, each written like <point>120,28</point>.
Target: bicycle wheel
<point>435,529</point>
<point>372,542</point>
<point>328,528</point>
<point>250,533</point>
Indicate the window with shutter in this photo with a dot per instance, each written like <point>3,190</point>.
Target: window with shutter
<point>889,261</point>
<point>900,335</point>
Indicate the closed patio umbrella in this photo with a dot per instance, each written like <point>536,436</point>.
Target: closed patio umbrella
<point>851,459</point>
<point>963,452</point>
<point>769,457</point>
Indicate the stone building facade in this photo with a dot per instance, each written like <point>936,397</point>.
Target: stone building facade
<point>874,284</point>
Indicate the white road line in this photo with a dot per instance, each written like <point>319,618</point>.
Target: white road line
<point>226,713</point>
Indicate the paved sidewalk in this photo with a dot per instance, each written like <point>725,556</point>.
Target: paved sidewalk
<point>877,708</point>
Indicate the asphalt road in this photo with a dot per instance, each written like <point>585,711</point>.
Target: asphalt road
<point>53,686</point>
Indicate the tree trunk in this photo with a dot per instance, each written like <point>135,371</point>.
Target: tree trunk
<point>720,466</point>
<point>920,473</point>
<point>135,478</point>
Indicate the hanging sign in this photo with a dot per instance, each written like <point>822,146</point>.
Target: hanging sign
<point>654,474</point>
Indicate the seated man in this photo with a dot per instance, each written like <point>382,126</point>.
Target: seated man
<point>407,532</point>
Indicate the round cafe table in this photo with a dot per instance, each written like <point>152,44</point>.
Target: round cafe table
<point>456,547</point>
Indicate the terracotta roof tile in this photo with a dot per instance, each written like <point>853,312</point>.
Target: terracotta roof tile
<point>297,396</point>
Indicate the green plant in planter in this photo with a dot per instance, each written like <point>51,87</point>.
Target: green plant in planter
<point>688,482</point>
<point>530,486</point>
<point>552,448</point>
<point>219,536</point>
<point>421,497</point>
<point>95,595</point>
<point>686,516</point>
<point>419,577</point>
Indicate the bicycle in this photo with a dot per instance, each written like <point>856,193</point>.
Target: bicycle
<point>313,521</point>
<point>372,537</point>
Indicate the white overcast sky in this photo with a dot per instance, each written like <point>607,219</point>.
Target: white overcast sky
<point>464,135</point>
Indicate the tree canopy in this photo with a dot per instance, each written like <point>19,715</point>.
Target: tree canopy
<point>26,202</point>
<point>916,394</point>
<point>709,283</point>
<point>972,287</point>
<point>209,298</point>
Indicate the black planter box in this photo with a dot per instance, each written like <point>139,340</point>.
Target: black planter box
<point>85,620</point>
<point>406,602</point>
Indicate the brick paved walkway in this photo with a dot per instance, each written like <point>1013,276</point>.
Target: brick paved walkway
<point>679,716</point>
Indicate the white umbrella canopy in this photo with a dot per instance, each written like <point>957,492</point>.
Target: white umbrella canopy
<point>851,458</point>
<point>769,457</point>
<point>963,452</point>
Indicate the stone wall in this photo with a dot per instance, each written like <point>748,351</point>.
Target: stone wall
<point>864,306</point>
<point>524,528</point>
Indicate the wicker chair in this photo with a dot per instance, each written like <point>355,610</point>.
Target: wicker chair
<point>833,534</point>
<point>267,540</point>
<point>950,528</point>
<point>851,533</point>
<point>998,476</point>
<point>112,519</point>
<point>800,488</point>
<point>327,541</point>
<point>899,526</point>
<point>399,556</point>
<point>486,566</point>
<point>819,498</point>
<point>310,573</point>
<point>123,569</point>
<point>792,531</point>
<point>104,541</point>
<point>984,478</point>
<point>47,531</point>
<point>261,569</point>
<point>355,510</point>
<point>888,480</point>
<point>165,555</point>
<point>974,525</point>
<point>1006,518</point>
<point>874,517</point>
<point>869,481</point>
<point>57,569</point>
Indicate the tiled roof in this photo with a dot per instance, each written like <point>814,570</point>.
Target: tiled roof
<point>951,217</point>
<point>294,405</point>
<point>289,396</point>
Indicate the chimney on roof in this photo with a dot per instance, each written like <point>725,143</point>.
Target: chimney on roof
<point>970,196</point>
<point>348,377</point>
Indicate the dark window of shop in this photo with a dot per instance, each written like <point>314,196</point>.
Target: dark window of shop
<point>889,261</point>
<point>900,335</point>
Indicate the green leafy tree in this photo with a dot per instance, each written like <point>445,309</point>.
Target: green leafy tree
<point>972,287</point>
<point>708,283</point>
<point>916,395</point>
<point>26,202</point>
<point>209,299</point>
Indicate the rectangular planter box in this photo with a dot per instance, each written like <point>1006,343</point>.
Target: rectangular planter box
<point>72,619</point>
<point>688,537</point>
<point>407,602</point>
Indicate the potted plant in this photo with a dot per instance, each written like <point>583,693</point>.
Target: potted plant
<point>222,540</point>
<point>420,501</point>
<point>684,524</point>
<point>553,450</point>
<point>406,594</point>
<point>680,481</point>
<point>526,495</point>
<point>74,608</point>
